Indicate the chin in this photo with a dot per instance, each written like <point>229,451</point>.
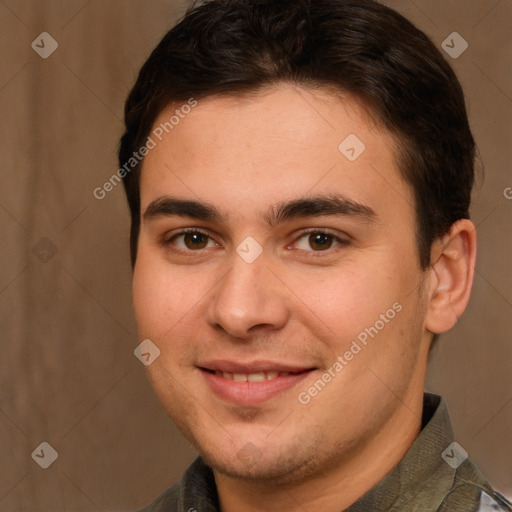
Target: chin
<point>272,467</point>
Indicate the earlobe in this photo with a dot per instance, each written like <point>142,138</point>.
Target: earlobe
<point>452,271</point>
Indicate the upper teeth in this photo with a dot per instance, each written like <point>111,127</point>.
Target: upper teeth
<point>252,377</point>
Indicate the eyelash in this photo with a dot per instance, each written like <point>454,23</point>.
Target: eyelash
<point>167,240</point>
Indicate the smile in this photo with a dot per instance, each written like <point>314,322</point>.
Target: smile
<point>251,385</point>
<point>252,377</point>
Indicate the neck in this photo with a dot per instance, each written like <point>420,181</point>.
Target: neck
<point>335,488</point>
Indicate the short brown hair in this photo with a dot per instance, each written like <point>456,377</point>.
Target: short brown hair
<point>357,46</point>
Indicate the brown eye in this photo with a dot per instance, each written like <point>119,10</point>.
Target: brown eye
<point>191,241</point>
<point>320,241</point>
<point>195,240</point>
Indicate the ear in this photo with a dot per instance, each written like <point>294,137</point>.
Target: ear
<point>453,258</point>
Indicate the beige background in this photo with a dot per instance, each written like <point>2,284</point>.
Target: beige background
<point>67,372</point>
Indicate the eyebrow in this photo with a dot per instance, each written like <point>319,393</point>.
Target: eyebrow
<point>314,206</point>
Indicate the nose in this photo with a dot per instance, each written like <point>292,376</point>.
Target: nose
<point>248,299</point>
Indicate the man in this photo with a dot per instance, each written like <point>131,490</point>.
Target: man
<point>299,177</point>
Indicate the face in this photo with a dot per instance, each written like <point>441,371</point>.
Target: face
<point>277,273</point>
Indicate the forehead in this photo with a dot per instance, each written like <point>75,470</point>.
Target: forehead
<point>283,143</point>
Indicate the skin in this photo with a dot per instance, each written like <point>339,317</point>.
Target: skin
<point>295,303</point>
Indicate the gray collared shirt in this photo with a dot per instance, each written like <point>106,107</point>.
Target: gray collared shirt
<point>433,476</point>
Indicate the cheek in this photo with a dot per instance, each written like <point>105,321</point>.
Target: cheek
<point>355,295</point>
<point>164,295</point>
<point>162,300</point>
<point>148,296</point>
<point>154,297</point>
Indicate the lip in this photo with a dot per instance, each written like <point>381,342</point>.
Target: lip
<point>251,393</point>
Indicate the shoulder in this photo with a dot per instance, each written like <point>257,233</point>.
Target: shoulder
<point>470,491</point>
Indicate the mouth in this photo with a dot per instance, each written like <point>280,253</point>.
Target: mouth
<point>251,384</point>
<point>251,377</point>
